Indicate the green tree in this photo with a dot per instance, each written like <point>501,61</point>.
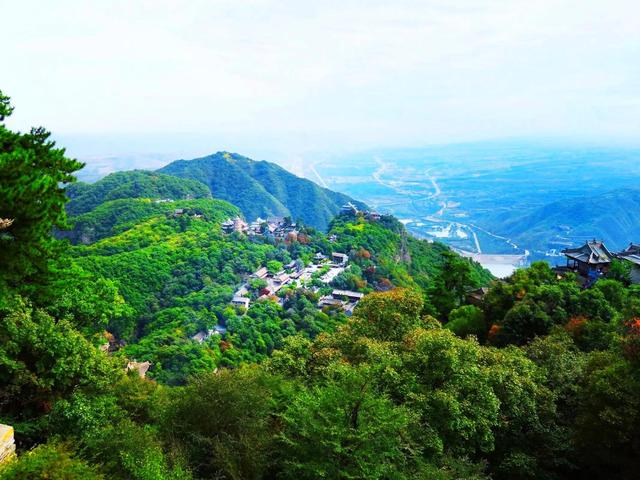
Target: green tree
<point>450,287</point>
<point>104,434</point>
<point>467,320</point>
<point>620,270</point>
<point>33,174</point>
<point>389,315</point>
<point>608,421</point>
<point>42,359</point>
<point>449,385</point>
<point>257,284</point>
<point>224,420</point>
<point>523,322</point>
<point>593,304</point>
<point>274,266</point>
<point>52,461</point>
<point>344,430</point>
<point>92,303</point>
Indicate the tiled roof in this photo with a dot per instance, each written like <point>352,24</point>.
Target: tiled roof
<point>347,293</point>
<point>592,252</point>
<point>631,253</point>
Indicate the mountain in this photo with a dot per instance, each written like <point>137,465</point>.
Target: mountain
<point>116,216</point>
<point>262,189</point>
<point>176,273</point>
<point>613,217</point>
<point>84,197</point>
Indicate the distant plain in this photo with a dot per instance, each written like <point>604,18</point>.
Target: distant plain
<point>504,203</point>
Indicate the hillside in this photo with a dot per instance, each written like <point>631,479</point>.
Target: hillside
<point>613,217</point>
<point>133,184</point>
<point>116,216</point>
<point>262,189</point>
<point>177,273</point>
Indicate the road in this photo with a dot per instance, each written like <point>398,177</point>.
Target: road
<point>421,199</point>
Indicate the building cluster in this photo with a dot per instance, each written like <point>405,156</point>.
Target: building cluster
<point>298,276</point>
<point>282,228</point>
<point>277,227</point>
<point>342,299</point>
<point>179,212</point>
<point>203,335</point>
<point>593,259</point>
<point>350,209</point>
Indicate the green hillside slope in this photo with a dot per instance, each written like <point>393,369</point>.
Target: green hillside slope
<point>178,272</point>
<point>134,184</point>
<point>117,216</point>
<point>262,189</point>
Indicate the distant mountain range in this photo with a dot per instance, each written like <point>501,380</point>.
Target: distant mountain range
<point>613,217</point>
<point>262,189</point>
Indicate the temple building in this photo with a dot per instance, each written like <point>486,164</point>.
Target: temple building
<point>349,209</point>
<point>632,255</point>
<point>591,258</point>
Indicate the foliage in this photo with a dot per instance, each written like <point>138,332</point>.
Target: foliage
<point>467,320</point>
<point>451,285</point>
<point>107,436</point>
<point>344,430</point>
<point>608,420</point>
<point>620,270</point>
<point>42,358</point>
<point>225,419</point>
<point>134,184</point>
<point>50,461</point>
<point>33,176</point>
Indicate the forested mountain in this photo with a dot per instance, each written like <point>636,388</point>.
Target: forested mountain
<point>535,377</point>
<point>177,274</point>
<point>262,189</point>
<point>116,216</point>
<point>613,217</point>
<point>133,184</point>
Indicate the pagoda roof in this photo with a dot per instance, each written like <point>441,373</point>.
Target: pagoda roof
<point>593,252</point>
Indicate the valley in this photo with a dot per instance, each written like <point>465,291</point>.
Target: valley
<point>481,199</point>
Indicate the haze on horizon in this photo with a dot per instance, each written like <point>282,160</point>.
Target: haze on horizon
<point>289,76</point>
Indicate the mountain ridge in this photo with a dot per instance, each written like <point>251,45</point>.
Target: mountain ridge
<point>84,197</point>
<point>261,188</point>
<point>613,217</point>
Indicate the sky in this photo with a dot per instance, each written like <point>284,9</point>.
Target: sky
<point>263,76</point>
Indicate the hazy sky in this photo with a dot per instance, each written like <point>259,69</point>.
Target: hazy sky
<point>314,74</point>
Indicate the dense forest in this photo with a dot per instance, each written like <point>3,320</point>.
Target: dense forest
<point>135,184</point>
<point>538,379</point>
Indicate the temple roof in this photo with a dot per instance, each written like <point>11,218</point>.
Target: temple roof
<point>593,252</point>
<point>631,253</point>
